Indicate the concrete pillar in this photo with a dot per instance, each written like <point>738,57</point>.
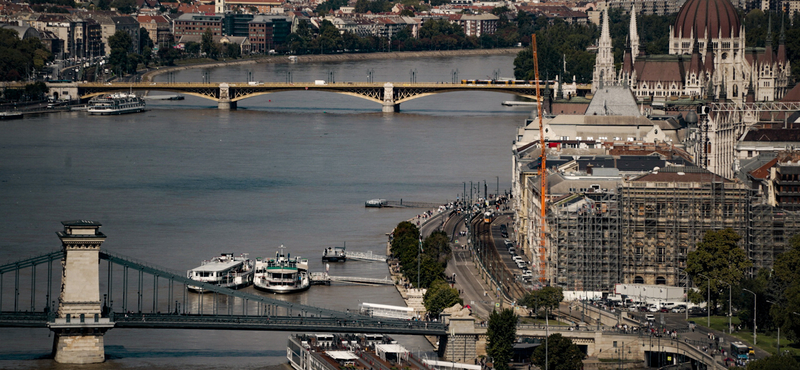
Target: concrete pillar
<point>389,105</point>
<point>78,327</point>
<point>225,101</point>
<point>226,104</point>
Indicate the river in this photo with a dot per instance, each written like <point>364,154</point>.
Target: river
<point>185,181</point>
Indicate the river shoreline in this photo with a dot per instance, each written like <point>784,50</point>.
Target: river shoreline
<point>317,58</point>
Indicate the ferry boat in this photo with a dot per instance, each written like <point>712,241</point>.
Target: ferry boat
<point>117,103</point>
<point>375,203</point>
<point>282,274</point>
<point>335,254</point>
<point>226,270</point>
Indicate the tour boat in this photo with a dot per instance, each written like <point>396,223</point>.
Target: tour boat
<point>226,270</point>
<point>282,274</point>
<point>117,103</point>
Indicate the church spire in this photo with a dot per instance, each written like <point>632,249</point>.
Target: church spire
<point>782,44</point>
<point>633,34</point>
<point>604,71</point>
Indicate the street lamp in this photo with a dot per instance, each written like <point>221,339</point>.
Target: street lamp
<point>779,330</point>
<point>708,300</point>
<point>729,306</point>
<point>755,338</point>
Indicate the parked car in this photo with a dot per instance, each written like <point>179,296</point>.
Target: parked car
<point>679,308</point>
<point>650,317</point>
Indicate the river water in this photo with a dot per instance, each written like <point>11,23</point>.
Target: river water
<point>184,182</point>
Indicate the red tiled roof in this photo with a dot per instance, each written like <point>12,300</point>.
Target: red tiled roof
<point>663,71</point>
<point>793,95</point>
<point>763,171</point>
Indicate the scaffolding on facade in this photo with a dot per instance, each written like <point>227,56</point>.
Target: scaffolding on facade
<point>585,232</point>
<point>663,221</point>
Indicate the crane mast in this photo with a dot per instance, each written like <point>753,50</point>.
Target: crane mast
<point>543,165</point>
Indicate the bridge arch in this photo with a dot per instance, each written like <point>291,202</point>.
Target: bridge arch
<point>389,95</point>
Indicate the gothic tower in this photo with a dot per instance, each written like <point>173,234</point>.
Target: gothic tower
<point>633,34</point>
<point>604,73</point>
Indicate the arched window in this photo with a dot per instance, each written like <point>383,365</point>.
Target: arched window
<point>638,280</point>
<point>661,280</point>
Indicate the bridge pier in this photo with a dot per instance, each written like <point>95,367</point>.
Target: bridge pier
<point>225,101</point>
<point>226,104</point>
<point>389,105</point>
<point>460,345</point>
<point>78,326</point>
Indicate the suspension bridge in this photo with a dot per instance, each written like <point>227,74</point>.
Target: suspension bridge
<point>84,271</point>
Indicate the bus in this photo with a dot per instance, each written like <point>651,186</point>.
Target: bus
<point>740,350</point>
<point>487,217</point>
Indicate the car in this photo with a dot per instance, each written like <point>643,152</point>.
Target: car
<point>527,274</point>
<point>679,309</point>
<point>650,317</point>
<point>664,309</point>
<point>512,251</point>
<point>504,234</point>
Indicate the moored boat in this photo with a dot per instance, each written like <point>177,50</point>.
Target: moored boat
<point>375,203</point>
<point>117,103</point>
<point>335,254</point>
<point>282,274</point>
<point>226,270</point>
<point>10,115</point>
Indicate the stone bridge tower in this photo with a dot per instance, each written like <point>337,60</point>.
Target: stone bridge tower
<point>78,326</point>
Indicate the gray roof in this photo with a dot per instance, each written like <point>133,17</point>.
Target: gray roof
<point>613,101</point>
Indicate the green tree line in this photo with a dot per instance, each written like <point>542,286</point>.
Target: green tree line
<point>425,261</point>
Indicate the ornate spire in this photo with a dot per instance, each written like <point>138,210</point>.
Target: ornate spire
<point>769,31</point>
<point>782,44</point>
<point>560,92</point>
<point>605,34</point>
<point>604,71</point>
<point>633,33</point>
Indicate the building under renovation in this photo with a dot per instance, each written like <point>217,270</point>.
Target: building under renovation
<point>667,212</point>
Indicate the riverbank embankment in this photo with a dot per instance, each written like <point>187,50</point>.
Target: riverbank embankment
<point>325,58</point>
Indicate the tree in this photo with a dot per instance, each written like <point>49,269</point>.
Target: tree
<point>207,45</point>
<point>124,6</point>
<point>144,40</point>
<point>500,336</point>
<point>779,361</point>
<point>561,354</point>
<point>440,296</point>
<point>719,257</point>
<point>437,246</point>
<point>547,298</point>
<point>120,40</point>
<point>784,288</point>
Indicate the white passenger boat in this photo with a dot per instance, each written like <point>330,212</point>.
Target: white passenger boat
<point>282,274</point>
<point>227,271</point>
<point>117,103</point>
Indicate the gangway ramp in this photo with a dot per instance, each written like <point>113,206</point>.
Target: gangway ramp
<point>368,256</point>
<point>321,278</point>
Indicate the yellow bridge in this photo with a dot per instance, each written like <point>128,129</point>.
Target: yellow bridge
<point>389,94</point>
